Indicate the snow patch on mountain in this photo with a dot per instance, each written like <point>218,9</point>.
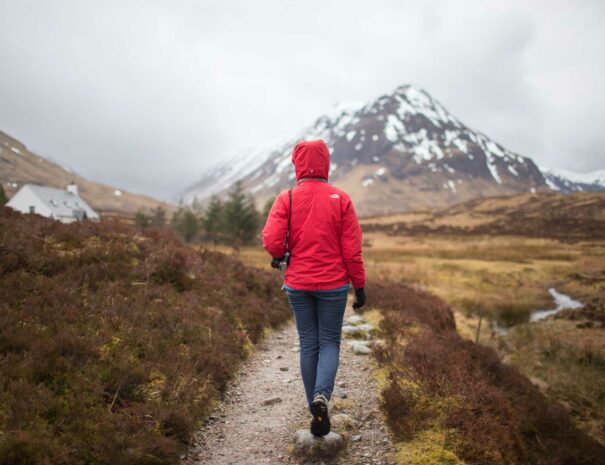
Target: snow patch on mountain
<point>225,174</point>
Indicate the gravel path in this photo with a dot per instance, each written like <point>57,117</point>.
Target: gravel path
<point>265,405</point>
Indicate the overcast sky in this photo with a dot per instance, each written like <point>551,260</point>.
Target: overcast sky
<point>147,94</point>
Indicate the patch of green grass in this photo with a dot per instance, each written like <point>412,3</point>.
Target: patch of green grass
<point>511,314</point>
<point>569,365</point>
<point>429,447</point>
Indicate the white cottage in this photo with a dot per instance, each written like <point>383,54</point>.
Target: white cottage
<point>63,205</point>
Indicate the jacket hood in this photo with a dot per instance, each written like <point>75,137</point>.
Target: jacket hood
<point>311,159</point>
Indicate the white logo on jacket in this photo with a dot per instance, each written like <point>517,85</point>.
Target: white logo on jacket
<point>335,196</point>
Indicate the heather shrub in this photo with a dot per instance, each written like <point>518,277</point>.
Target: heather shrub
<point>439,384</point>
<point>114,342</point>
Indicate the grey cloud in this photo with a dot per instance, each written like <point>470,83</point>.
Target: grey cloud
<point>148,94</point>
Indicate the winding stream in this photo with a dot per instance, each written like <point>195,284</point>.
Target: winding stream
<point>561,301</point>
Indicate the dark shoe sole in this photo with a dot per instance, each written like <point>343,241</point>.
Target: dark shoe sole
<point>320,424</point>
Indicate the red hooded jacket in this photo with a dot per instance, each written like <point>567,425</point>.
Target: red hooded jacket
<point>325,236</point>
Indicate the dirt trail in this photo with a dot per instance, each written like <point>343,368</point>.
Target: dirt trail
<point>245,431</point>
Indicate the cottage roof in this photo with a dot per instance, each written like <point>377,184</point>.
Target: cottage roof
<point>63,203</point>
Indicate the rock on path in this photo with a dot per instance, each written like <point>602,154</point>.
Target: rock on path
<point>307,445</point>
<point>251,426</point>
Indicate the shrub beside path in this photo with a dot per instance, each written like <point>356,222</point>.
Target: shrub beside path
<point>265,406</point>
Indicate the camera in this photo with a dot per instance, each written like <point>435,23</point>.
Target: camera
<point>281,263</point>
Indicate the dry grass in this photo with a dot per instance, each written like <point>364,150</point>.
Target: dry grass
<point>567,217</point>
<point>504,278</point>
<point>486,274</point>
<point>568,363</point>
<point>448,400</point>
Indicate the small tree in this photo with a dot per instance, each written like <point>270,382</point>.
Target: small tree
<point>186,223</point>
<point>241,219</point>
<point>266,209</point>
<point>158,217</point>
<point>3,197</point>
<point>142,219</point>
<point>212,222</point>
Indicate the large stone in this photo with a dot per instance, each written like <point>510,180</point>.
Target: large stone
<point>354,320</point>
<point>339,392</point>
<point>366,328</point>
<point>349,330</point>
<point>307,445</point>
<point>338,405</point>
<point>343,422</point>
<point>360,347</point>
<point>272,401</point>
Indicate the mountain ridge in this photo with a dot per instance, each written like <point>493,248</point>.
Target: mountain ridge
<point>569,181</point>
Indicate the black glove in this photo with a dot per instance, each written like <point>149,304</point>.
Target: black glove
<point>360,298</point>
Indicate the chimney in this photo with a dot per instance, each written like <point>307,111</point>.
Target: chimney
<point>72,188</point>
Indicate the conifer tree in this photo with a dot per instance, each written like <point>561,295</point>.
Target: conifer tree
<point>186,223</point>
<point>3,197</point>
<point>267,208</point>
<point>240,217</point>
<point>142,219</point>
<point>212,222</point>
<point>158,217</point>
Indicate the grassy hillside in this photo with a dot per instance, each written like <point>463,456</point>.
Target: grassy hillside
<point>493,261</point>
<point>115,344</point>
<point>19,166</point>
<point>503,278</point>
<point>561,216</point>
<point>450,401</point>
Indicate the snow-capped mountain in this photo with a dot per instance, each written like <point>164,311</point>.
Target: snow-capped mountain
<point>568,181</point>
<point>402,151</point>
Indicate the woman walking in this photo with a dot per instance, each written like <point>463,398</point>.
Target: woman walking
<point>315,223</point>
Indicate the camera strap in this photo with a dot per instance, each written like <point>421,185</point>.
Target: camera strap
<point>288,230</point>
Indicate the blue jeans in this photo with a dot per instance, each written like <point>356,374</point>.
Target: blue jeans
<point>319,323</point>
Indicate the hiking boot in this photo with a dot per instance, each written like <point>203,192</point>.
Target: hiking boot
<point>320,424</point>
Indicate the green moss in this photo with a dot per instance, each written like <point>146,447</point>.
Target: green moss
<point>429,447</point>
